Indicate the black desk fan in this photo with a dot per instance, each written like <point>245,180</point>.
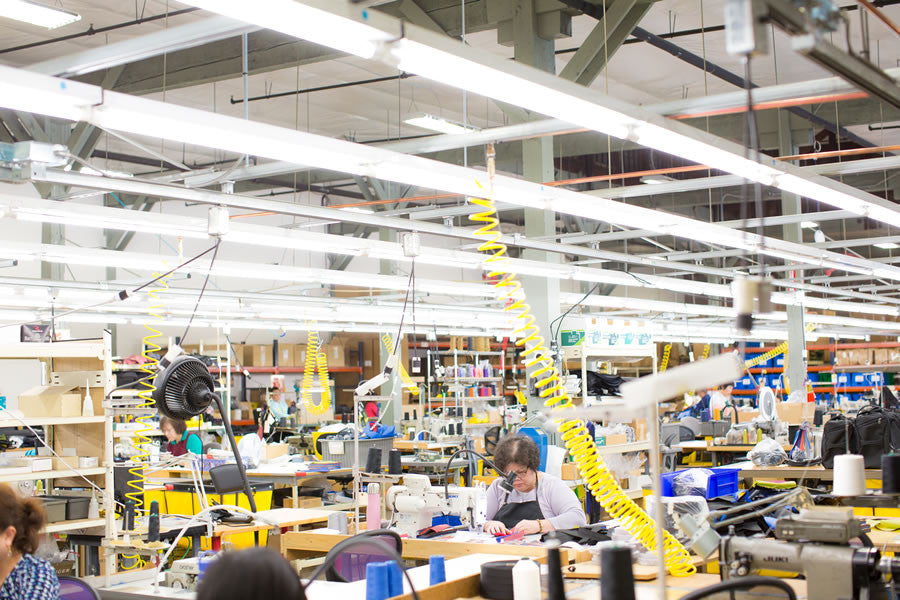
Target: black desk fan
<point>184,389</point>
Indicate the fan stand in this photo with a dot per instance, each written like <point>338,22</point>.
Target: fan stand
<point>226,420</point>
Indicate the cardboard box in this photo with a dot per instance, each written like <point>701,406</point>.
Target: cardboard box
<point>35,463</point>
<point>795,413</point>
<point>569,472</point>
<point>51,401</point>
<point>273,451</point>
<point>335,353</point>
<point>612,439</point>
<point>286,356</point>
<point>303,502</point>
<point>258,355</point>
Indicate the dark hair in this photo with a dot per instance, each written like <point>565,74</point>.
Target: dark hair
<point>26,515</point>
<point>251,573</point>
<point>177,424</point>
<point>519,449</point>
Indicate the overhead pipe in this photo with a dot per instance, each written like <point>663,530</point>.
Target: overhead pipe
<point>734,79</point>
<point>91,31</point>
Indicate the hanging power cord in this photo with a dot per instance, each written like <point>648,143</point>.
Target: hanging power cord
<point>575,435</point>
<point>212,261</point>
<point>121,295</point>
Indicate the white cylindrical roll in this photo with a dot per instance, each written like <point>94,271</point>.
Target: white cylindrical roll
<point>849,475</point>
<point>409,504</point>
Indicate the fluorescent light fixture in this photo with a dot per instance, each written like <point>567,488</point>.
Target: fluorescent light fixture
<point>31,92</point>
<point>439,124</point>
<point>330,28</point>
<point>357,209</point>
<point>37,14</point>
<point>809,225</point>
<point>656,179</point>
<point>887,245</point>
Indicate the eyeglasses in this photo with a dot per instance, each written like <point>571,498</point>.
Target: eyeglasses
<point>521,472</point>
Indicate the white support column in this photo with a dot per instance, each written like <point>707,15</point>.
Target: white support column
<point>537,165</point>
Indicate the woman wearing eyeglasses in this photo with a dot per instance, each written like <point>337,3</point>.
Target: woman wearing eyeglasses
<point>538,503</point>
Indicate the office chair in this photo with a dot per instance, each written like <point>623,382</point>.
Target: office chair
<point>72,588</point>
<point>349,558</point>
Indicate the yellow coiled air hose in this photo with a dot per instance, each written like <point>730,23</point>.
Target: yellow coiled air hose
<point>580,444</point>
<point>664,363</point>
<point>142,440</point>
<point>315,361</point>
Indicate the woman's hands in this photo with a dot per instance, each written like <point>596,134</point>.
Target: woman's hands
<point>527,527</point>
<point>496,528</point>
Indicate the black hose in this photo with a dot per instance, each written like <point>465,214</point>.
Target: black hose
<point>489,462</point>
<point>739,584</point>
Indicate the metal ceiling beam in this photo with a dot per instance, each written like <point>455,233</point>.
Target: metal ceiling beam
<point>607,36</point>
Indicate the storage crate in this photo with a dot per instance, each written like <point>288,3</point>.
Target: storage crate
<point>54,507</point>
<point>744,383</point>
<point>722,482</point>
<point>342,451</point>
<point>76,507</point>
<point>714,428</point>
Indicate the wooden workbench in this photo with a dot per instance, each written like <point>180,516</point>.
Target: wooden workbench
<point>306,544</point>
<point>785,472</point>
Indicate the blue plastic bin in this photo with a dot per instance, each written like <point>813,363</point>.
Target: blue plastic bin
<point>723,482</point>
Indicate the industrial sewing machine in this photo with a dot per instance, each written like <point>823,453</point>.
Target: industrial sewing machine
<point>416,502</point>
<point>816,543</point>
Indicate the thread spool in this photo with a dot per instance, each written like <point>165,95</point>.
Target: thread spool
<point>527,580</point>
<point>406,416</point>
<point>153,522</point>
<point>394,465</point>
<point>415,415</point>
<point>436,570</point>
<point>338,522</point>
<point>849,475</point>
<point>890,474</point>
<point>618,579</point>
<point>373,507</point>
<point>497,579</point>
<point>469,412</point>
<point>377,581</point>
<point>373,461</point>
<point>555,587</point>
<point>395,579</point>
<point>128,524</point>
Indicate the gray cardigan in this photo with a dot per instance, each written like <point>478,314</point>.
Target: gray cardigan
<point>558,503</point>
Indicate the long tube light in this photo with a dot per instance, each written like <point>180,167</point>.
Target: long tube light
<point>31,92</point>
<point>37,14</point>
<point>229,269</point>
<point>416,50</point>
<point>127,220</point>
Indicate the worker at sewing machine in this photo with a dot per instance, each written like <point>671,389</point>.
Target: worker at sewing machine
<point>539,502</point>
<point>180,440</point>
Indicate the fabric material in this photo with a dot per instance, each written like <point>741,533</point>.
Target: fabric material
<point>189,442</point>
<point>557,502</point>
<point>31,579</point>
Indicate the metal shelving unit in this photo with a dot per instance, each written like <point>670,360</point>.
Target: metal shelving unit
<point>72,357</point>
<point>455,383</point>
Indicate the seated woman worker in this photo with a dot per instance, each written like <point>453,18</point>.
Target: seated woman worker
<point>539,502</point>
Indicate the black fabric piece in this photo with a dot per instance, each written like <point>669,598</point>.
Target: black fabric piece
<point>601,384</point>
<point>888,399</point>
<point>586,536</point>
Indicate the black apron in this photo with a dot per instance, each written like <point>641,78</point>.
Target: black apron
<point>512,512</point>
